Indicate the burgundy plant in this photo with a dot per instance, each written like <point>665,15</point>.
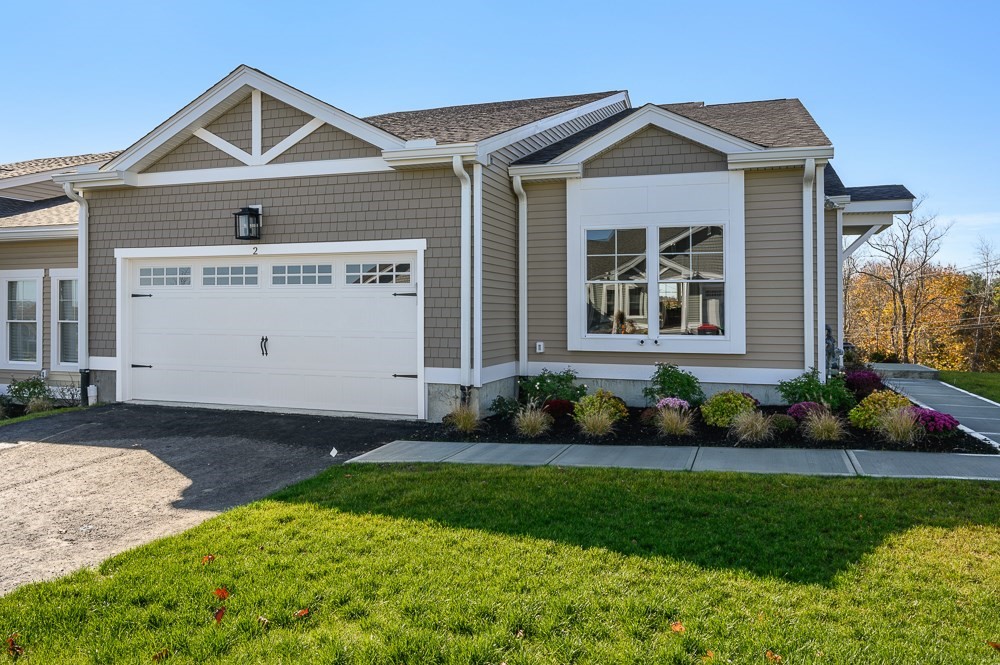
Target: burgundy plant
<point>803,409</point>
<point>558,407</point>
<point>863,382</point>
<point>933,421</point>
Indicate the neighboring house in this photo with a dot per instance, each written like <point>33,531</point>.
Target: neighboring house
<point>410,260</point>
<point>38,259</point>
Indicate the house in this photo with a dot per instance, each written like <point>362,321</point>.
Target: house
<point>38,270</point>
<point>262,248</point>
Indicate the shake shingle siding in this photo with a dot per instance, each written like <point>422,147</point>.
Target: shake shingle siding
<point>327,142</point>
<point>500,313</point>
<point>193,154</point>
<point>374,206</point>
<point>653,151</point>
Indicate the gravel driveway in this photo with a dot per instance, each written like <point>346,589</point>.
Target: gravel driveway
<point>79,487</point>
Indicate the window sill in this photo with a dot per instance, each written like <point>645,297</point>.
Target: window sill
<point>667,344</point>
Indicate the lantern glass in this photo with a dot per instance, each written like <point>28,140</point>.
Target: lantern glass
<point>247,224</point>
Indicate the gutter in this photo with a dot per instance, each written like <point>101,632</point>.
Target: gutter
<point>54,232</point>
<point>522,276</point>
<point>808,178</point>
<point>83,292</point>
<point>465,291</point>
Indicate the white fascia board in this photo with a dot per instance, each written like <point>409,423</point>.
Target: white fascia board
<point>245,76</point>
<point>530,172</point>
<point>33,178</point>
<point>61,232</point>
<point>505,139</point>
<point>94,179</point>
<point>439,154</point>
<point>893,206</point>
<point>278,249</point>
<point>780,157</point>
<point>839,201</point>
<point>651,114</point>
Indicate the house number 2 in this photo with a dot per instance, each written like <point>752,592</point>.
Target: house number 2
<point>255,251</point>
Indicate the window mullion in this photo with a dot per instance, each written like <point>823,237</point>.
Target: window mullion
<point>652,281</point>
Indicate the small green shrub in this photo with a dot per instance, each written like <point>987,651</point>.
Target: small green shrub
<point>550,385</point>
<point>531,421</point>
<point>808,388</point>
<point>597,414</point>
<point>39,404</point>
<point>673,422</point>
<point>463,418</point>
<point>783,423</point>
<point>720,409</point>
<point>866,414</point>
<point>671,381</point>
<point>822,425</point>
<point>22,392</point>
<point>505,407</point>
<point>899,425</point>
<point>751,427</point>
<point>595,423</point>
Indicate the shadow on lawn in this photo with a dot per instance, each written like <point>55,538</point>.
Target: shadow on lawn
<point>796,529</point>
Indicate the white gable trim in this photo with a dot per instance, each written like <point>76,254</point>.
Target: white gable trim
<point>290,140</point>
<point>651,114</point>
<point>187,119</point>
<point>224,145</point>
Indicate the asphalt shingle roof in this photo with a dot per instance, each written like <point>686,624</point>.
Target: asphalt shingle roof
<point>475,122</point>
<point>51,163</point>
<point>50,212</point>
<point>773,123</point>
<point>834,186</point>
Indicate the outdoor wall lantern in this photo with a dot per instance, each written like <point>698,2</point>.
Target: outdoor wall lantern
<point>248,223</point>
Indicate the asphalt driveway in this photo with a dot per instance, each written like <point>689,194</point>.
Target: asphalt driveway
<point>79,487</point>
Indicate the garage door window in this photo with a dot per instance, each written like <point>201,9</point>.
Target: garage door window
<point>378,273</point>
<point>172,276</point>
<point>229,276</point>
<point>302,274</point>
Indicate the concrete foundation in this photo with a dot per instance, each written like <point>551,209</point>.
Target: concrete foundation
<point>105,380</point>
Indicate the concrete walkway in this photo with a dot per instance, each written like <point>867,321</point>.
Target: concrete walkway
<point>692,458</point>
<point>975,413</point>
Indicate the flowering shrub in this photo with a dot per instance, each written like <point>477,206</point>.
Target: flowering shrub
<point>934,422</point>
<point>550,385</point>
<point>866,414</point>
<point>673,403</point>
<point>863,382</point>
<point>721,408</point>
<point>671,381</point>
<point>802,409</point>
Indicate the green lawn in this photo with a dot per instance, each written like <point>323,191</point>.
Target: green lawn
<point>464,564</point>
<point>986,384</point>
<point>41,414</point>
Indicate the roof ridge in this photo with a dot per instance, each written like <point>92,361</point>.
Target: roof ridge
<point>596,95</point>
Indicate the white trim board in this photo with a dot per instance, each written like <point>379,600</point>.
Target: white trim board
<point>303,248</point>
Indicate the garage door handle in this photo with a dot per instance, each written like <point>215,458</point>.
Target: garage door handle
<point>263,346</point>
<point>404,376</point>
<point>413,295</point>
<point>142,295</point>
<point>146,366</point>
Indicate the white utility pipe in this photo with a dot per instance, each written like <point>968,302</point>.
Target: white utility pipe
<point>809,340</point>
<point>522,276</point>
<point>465,290</point>
<point>821,271</point>
<point>82,288</point>
<point>840,277</point>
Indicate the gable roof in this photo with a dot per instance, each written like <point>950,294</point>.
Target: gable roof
<point>834,186</point>
<point>772,123</point>
<point>56,211</point>
<point>33,166</point>
<point>550,152</point>
<point>474,122</point>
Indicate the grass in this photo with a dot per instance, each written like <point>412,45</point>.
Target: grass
<point>985,384</point>
<point>463,564</point>
<point>41,414</point>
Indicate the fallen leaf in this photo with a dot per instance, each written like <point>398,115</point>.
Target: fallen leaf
<point>207,559</point>
<point>161,655</point>
<point>221,593</point>
<point>773,657</point>
<point>519,634</point>
<point>301,613</point>
<point>347,475</point>
<point>219,613</point>
<point>995,645</point>
<point>708,657</point>
<point>677,627</point>
<point>264,623</point>
<point>14,649</point>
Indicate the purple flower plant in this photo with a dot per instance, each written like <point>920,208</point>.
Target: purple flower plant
<point>863,382</point>
<point>933,421</point>
<point>673,403</point>
<point>802,409</point>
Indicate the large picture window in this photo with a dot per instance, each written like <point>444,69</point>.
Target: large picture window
<point>692,280</point>
<point>617,282</point>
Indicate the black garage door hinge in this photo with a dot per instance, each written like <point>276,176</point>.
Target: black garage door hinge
<point>146,366</point>
<point>142,295</point>
<point>404,376</point>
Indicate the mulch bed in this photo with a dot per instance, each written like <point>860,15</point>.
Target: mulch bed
<point>634,432</point>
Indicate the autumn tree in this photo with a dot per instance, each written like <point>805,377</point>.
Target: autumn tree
<point>980,316</point>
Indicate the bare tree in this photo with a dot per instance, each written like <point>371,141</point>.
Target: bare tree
<point>906,252</point>
<point>982,307</point>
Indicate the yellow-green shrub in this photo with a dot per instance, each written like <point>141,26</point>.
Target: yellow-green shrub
<point>866,414</point>
<point>720,409</point>
<point>596,414</point>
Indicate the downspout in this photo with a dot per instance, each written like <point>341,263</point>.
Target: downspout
<point>465,291</point>
<point>477,273</point>
<point>522,277</point>
<point>82,288</point>
<point>807,262</point>
<point>821,271</point>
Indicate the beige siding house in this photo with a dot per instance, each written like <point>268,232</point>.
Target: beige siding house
<point>264,249</point>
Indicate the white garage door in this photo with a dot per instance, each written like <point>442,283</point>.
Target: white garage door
<point>330,332</point>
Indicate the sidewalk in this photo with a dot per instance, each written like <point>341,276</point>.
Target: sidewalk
<point>974,412</point>
<point>882,464</point>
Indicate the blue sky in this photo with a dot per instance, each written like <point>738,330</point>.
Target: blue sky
<point>908,91</point>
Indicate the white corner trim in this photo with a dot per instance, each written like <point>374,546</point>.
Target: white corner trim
<point>263,172</point>
<point>63,231</point>
<point>644,372</point>
<point>104,363</point>
<point>446,375</point>
<point>840,278</point>
<point>290,140</point>
<point>188,117</point>
<point>499,372</point>
<point>477,270</point>
<point>304,248</point>
<point>671,122</point>
<point>820,271</point>
<point>505,139</point>
<point>223,145</point>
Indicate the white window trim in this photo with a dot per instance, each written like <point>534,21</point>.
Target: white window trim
<point>55,276</point>
<point>579,220</point>
<point>17,275</point>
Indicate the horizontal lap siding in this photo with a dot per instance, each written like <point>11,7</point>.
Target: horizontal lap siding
<point>39,255</point>
<point>374,206</point>
<point>773,268</point>
<point>500,237</point>
<point>832,269</point>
